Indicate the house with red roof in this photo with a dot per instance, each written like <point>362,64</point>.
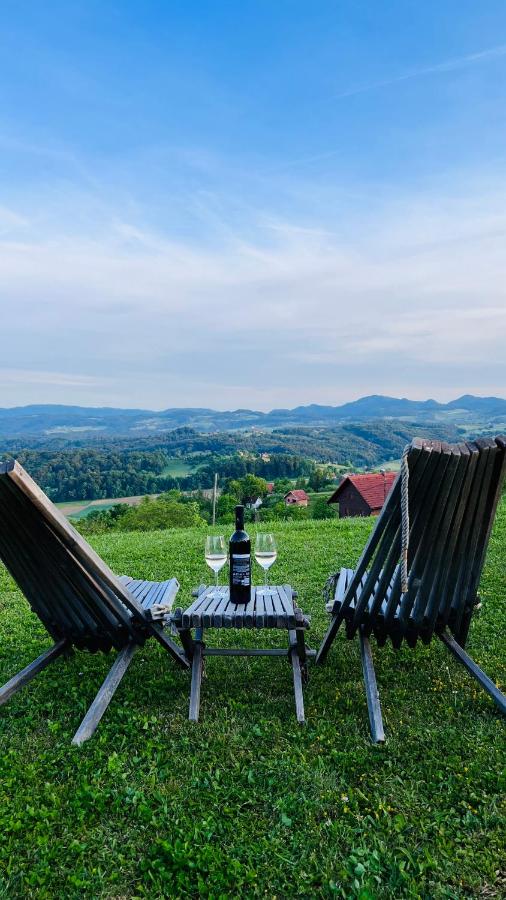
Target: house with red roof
<point>296,498</point>
<point>363,495</point>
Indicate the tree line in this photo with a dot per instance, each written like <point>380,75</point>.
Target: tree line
<point>90,474</point>
<point>173,509</point>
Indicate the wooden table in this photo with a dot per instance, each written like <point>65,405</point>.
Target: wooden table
<point>212,608</point>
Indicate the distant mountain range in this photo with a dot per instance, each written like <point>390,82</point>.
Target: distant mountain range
<point>80,421</point>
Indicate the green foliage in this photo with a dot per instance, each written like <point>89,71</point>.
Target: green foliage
<point>319,480</point>
<point>153,515</point>
<point>225,507</point>
<point>248,488</point>
<point>126,467</point>
<point>283,485</point>
<point>320,509</point>
<point>248,803</point>
<point>99,521</point>
<point>280,511</point>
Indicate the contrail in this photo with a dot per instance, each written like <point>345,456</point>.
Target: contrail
<point>457,63</point>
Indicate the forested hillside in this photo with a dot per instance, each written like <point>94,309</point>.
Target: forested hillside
<point>75,469</point>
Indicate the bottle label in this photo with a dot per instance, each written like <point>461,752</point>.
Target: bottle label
<point>241,569</point>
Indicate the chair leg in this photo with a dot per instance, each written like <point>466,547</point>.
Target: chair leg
<point>197,668</point>
<point>18,681</point>
<point>483,680</point>
<point>371,690</point>
<point>111,682</point>
<point>170,646</point>
<point>297,678</point>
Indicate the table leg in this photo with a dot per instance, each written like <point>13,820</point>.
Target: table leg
<point>297,677</point>
<point>301,649</point>
<point>185,636</point>
<point>197,667</point>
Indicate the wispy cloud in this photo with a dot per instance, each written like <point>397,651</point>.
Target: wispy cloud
<point>459,62</point>
<point>36,377</point>
<point>276,311</point>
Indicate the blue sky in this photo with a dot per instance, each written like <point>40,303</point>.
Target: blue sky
<point>257,204</point>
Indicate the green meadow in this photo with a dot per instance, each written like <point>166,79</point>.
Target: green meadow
<point>248,803</point>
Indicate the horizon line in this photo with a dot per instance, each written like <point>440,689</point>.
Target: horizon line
<point>136,409</point>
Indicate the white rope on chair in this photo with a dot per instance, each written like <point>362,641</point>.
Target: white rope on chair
<point>404,519</point>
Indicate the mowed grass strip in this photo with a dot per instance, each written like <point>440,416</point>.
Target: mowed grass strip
<point>247,802</point>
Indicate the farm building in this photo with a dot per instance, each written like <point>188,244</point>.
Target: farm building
<point>362,495</point>
<point>296,498</point>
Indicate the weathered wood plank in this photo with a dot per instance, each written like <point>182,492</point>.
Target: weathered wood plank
<point>371,690</point>
<point>111,683</point>
<point>279,612</point>
<point>260,612</point>
<point>188,613</point>
<point>249,613</point>
<point>286,595</point>
<point>227,614</point>
<point>167,595</point>
<point>197,668</point>
<point>297,679</point>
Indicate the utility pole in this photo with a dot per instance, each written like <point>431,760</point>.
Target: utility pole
<point>214,496</point>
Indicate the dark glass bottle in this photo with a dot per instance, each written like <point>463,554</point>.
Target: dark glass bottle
<point>240,560</point>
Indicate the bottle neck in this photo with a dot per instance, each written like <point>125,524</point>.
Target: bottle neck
<point>239,518</point>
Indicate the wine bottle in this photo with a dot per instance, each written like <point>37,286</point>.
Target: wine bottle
<point>240,560</point>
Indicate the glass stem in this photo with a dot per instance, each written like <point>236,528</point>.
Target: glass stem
<point>216,579</point>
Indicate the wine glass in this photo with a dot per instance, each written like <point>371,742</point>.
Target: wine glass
<point>216,554</point>
<point>265,555</point>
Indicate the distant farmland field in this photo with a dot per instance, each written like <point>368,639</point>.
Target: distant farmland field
<point>178,468</point>
<point>78,509</point>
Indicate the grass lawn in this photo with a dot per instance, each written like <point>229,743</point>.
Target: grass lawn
<point>248,803</point>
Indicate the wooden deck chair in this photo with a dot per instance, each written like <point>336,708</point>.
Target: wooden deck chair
<point>438,517</point>
<point>79,600</point>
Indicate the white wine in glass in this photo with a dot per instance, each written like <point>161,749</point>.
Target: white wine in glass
<point>265,555</point>
<point>216,554</point>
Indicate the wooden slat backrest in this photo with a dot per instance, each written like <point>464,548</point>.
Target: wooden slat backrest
<point>68,585</point>
<point>70,537</point>
<point>453,494</point>
<point>23,554</point>
<point>436,511</point>
<point>56,567</point>
<point>481,518</point>
<point>382,575</point>
<point>424,461</point>
<point>445,551</point>
<point>496,489</point>
<point>454,564</point>
<point>12,555</point>
<point>429,478</point>
<point>377,546</point>
<point>48,574</point>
